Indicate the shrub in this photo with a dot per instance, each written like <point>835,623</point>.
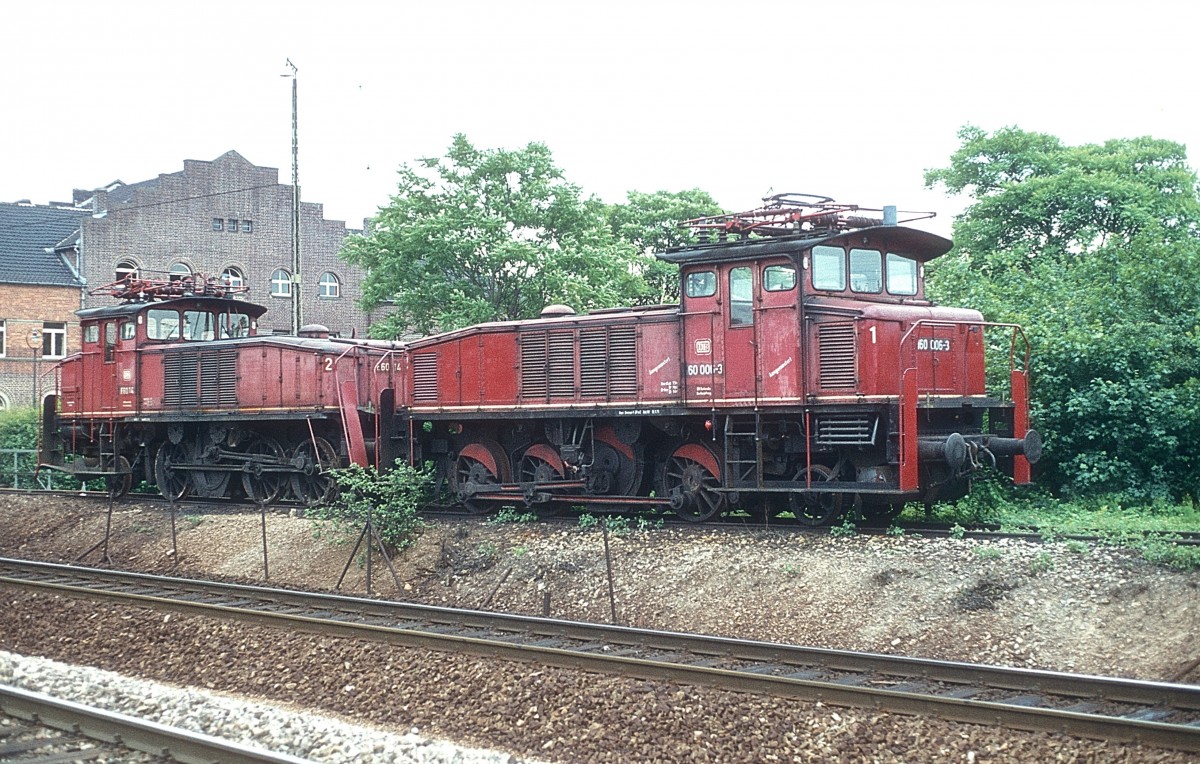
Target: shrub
<point>391,499</point>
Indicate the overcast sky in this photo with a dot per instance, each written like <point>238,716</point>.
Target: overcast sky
<point>853,101</point>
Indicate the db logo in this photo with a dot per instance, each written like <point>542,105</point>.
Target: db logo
<point>703,347</point>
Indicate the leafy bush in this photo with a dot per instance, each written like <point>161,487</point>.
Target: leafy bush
<point>391,498</point>
<point>18,431</point>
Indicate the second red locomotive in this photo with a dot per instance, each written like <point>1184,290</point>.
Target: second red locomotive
<point>803,371</point>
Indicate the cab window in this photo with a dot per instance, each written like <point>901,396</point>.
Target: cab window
<point>701,284</point>
<point>779,278</point>
<point>901,275</point>
<point>198,326</point>
<point>866,271</point>
<point>828,268</point>
<point>162,324</point>
<point>91,334</point>
<point>232,325</point>
<point>741,296</point>
<point>127,330</point>
<point>110,341</point>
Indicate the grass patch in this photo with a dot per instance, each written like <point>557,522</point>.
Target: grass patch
<point>1116,520</point>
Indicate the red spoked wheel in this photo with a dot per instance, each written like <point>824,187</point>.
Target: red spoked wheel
<point>478,466</point>
<point>540,464</point>
<point>690,477</point>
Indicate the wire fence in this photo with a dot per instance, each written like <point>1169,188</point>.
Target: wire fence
<point>18,469</point>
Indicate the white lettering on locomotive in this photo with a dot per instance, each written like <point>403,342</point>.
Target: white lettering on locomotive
<point>936,344</point>
<point>704,347</point>
<point>705,369</point>
<point>658,368</point>
<point>775,372</point>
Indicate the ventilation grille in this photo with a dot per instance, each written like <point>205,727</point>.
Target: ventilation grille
<point>846,430</point>
<point>425,377</point>
<point>533,365</point>
<point>562,365</point>
<point>608,362</point>
<point>193,377</point>
<point>837,354</point>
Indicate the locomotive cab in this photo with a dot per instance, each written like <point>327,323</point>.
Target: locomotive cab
<point>829,375</point>
<point>105,386</point>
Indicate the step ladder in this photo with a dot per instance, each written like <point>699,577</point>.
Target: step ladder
<point>743,451</point>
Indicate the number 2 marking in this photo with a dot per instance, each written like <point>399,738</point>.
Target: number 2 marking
<point>328,364</point>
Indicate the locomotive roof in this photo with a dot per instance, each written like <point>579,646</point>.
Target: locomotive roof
<point>221,304</point>
<point>915,243</point>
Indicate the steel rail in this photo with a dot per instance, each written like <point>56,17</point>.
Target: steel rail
<point>1157,713</point>
<point>131,732</point>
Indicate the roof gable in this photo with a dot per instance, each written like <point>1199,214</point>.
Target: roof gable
<point>30,237</point>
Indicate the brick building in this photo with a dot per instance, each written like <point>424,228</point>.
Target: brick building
<point>229,218</point>
<point>40,290</point>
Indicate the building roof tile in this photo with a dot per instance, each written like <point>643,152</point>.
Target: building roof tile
<point>31,237</point>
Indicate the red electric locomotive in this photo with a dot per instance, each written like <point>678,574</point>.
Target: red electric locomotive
<point>804,371</point>
<point>174,386</point>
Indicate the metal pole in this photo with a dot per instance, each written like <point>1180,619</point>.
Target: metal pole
<point>612,598</point>
<point>297,309</point>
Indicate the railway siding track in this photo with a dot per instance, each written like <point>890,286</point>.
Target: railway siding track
<point>118,734</point>
<point>1153,713</point>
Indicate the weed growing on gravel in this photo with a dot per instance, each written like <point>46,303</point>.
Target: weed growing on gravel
<point>847,528</point>
<point>618,525</point>
<point>588,521</point>
<point>193,520</point>
<point>649,523</point>
<point>1163,551</point>
<point>487,552</point>
<point>1041,563</point>
<point>894,530</point>
<point>1076,546</point>
<point>511,515</point>
<point>957,531</point>
<point>989,552</point>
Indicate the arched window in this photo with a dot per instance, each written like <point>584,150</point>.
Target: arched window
<point>5,403</point>
<point>329,286</point>
<point>179,272</point>
<point>127,270</point>
<point>281,283</point>
<point>233,277</point>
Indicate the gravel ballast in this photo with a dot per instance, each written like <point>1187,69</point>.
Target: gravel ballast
<point>1056,606</point>
<point>297,732</point>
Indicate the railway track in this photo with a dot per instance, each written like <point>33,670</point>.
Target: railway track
<point>1033,535</point>
<point>1153,713</point>
<point>49,729</point>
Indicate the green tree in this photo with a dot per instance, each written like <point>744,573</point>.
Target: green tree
<point>1093,249</point>
<point>485,235</point>
<point>650,222</point>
